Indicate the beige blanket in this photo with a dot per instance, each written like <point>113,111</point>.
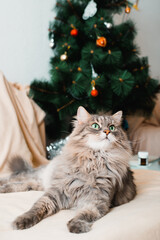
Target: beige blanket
<point>144,133</point>
<point>136,220</point>
<point>21,126</point>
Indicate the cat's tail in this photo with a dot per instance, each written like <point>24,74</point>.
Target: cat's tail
<point>18,164</point>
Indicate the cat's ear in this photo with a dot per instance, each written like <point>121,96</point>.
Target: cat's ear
<point>118,116</point>
<point>82,115</point>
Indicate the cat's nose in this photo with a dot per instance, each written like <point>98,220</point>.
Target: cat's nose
<point>106,131</point>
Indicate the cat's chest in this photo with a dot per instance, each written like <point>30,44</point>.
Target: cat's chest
<point>94,165</point>
<point>92,174</point>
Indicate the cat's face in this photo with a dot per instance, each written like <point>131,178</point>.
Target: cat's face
<point>102,132</point>
<point>98,132</point>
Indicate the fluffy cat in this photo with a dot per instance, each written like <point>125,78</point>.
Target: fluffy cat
<point>91,174</point>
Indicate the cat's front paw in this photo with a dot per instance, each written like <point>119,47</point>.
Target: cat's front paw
<point>78,226</point>
<point>24,221</point>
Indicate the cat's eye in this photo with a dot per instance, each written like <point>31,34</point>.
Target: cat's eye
<point>112,128</point>
<point>95,126</point>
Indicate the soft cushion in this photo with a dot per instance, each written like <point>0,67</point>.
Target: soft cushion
<point>136,220</point>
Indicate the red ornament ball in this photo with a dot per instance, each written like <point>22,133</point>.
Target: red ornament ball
<point>94,92</point>
<point>74,32</point>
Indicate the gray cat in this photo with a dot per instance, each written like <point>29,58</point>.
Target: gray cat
<point>91,174</point>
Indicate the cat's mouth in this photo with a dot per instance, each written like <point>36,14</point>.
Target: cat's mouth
<point>106,138</point>
<point>107,134</point>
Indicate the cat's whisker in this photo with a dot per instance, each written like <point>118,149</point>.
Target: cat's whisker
<point>120,146</point>
<point>129,155</point>
<point>138,140</point>
<point>65,132</point>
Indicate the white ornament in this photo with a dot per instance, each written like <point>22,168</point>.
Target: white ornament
<point>94,74</point>
<point>51,44</point>
<point>108,25</point>
<point>90,10</point>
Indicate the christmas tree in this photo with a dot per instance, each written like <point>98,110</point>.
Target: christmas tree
<point>96,64</point>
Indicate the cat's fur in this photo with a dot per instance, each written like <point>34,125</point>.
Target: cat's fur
<point>92,175</point>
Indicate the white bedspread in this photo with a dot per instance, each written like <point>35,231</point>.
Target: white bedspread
<point>137,220</point>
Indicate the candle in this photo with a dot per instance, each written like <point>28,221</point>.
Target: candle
<point>143,158</point>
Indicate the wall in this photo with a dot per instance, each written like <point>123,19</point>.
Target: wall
<point>24,45</point>
<point>147,21</point>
